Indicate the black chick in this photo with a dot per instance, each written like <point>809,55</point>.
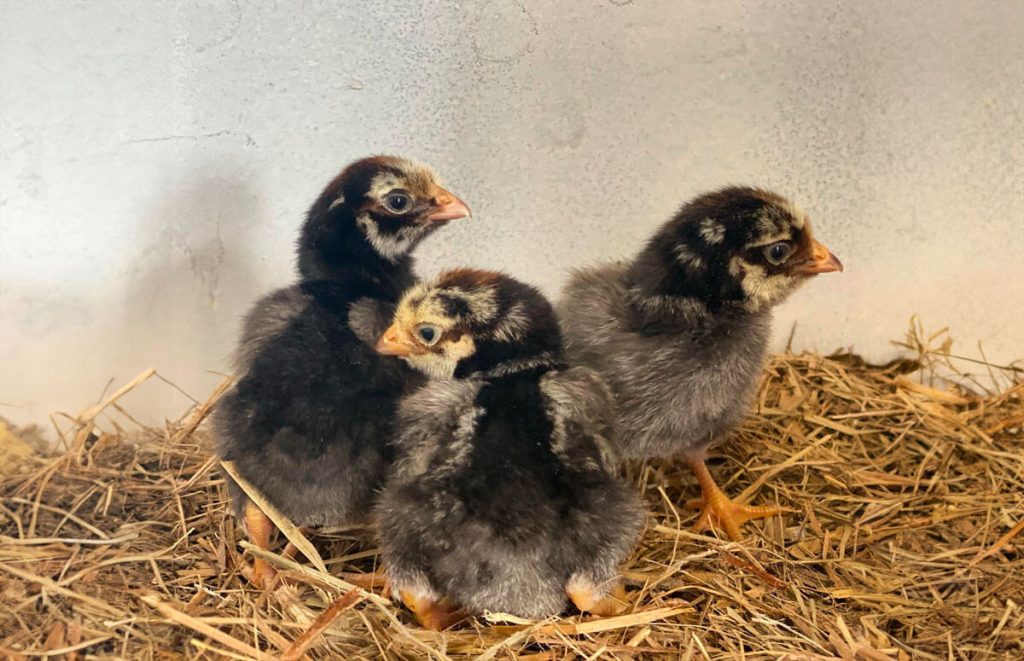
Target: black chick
<point>681,332</point>
<point>308,421</point>
<point>501,498</point>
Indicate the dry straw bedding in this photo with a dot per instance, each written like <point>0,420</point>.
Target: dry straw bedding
<point>903,540</point>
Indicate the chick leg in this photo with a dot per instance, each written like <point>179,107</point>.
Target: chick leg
<point>591,599</point>
<point>370,581</point>
<point>717,510</point>
<point>430,613</point>
<point>259,527</point>
<point>290,550</point>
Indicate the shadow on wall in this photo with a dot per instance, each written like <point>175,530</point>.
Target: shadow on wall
<point>193,277</point>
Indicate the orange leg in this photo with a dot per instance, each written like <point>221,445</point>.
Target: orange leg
<point>259,527</point>
<point>434,615</point>
<point>589,599</point>
<point>370,581</point>
<point>717,510</point>
<point>290,550</point>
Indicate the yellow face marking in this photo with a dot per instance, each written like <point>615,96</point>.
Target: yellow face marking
<point>419,180</point>
<point>798,215</point>
<point>476,304</point>
<point>423,305</point>
<point>440,363</point>
<point>383,184</point>
<point>761,288</point>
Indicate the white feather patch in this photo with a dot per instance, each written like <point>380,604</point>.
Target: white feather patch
<point>389,246</point>
<point>712,231</point>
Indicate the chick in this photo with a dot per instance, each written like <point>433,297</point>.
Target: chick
<point>501,498</point>
<point>308,420</point>
<point>680,333</point>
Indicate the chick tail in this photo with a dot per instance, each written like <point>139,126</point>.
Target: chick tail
<point>718,510</point>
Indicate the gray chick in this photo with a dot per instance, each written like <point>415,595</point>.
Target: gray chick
<point>501,497</point>
<point>680,333</point>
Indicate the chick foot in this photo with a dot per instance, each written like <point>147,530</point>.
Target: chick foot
<point>589,599</point>
<point>718,510</point>
<point>432,614</point>
<point>259,527</point>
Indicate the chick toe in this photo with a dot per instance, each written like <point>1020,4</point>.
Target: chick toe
<point>718,510</point>
<point>436,615</point>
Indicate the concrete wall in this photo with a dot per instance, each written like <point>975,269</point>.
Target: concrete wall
<point>156,158</point>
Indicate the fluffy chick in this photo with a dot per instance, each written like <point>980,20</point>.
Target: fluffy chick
<point>680,333</point>
<point>502,497</point>
<point>308,420</point>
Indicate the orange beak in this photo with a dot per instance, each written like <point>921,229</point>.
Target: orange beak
<point>822,261</point>
<point>447,207</point>
<point>390,343</point>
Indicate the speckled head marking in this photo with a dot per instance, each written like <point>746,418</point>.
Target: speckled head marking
<point>378,207</point>
<point>468,321</point>
<point>738,247</point>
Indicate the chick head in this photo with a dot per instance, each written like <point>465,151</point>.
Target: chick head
<point>393,202</point>
<point>467,322</point>
<point>737,246</point>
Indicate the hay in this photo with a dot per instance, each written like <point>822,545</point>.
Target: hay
<point>904,541</point>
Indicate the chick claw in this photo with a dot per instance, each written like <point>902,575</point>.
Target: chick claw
<point>431,614</point>
<point>719,511</point>
<point>722,513</point>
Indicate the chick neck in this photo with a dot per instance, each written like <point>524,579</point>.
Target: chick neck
<point>331,247</point>
<point>663,298</point>
<point>493,358</point>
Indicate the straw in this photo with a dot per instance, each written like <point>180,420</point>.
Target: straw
<point>904,538</point>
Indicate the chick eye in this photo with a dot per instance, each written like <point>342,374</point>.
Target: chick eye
<point>428,334</point>
<point>778,252</point>
<point>398,202</point>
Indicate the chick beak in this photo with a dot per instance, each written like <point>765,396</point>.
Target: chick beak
<point>389,343</point>
<point>822,261</point>
<point>446,207</point>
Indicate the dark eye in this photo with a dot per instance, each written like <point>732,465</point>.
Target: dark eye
<point>778,252</point>
<point>428,334</point>
<point>398,202</point>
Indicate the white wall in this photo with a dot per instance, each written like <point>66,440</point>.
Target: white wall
<point>156,158</point>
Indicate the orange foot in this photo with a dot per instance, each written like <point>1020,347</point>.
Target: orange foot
<point>433,615</point>
<point>259,528</point>
<point>589,599</point>
<point>717,510</point>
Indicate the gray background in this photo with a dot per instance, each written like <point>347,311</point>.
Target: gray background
<point>156,158</point>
